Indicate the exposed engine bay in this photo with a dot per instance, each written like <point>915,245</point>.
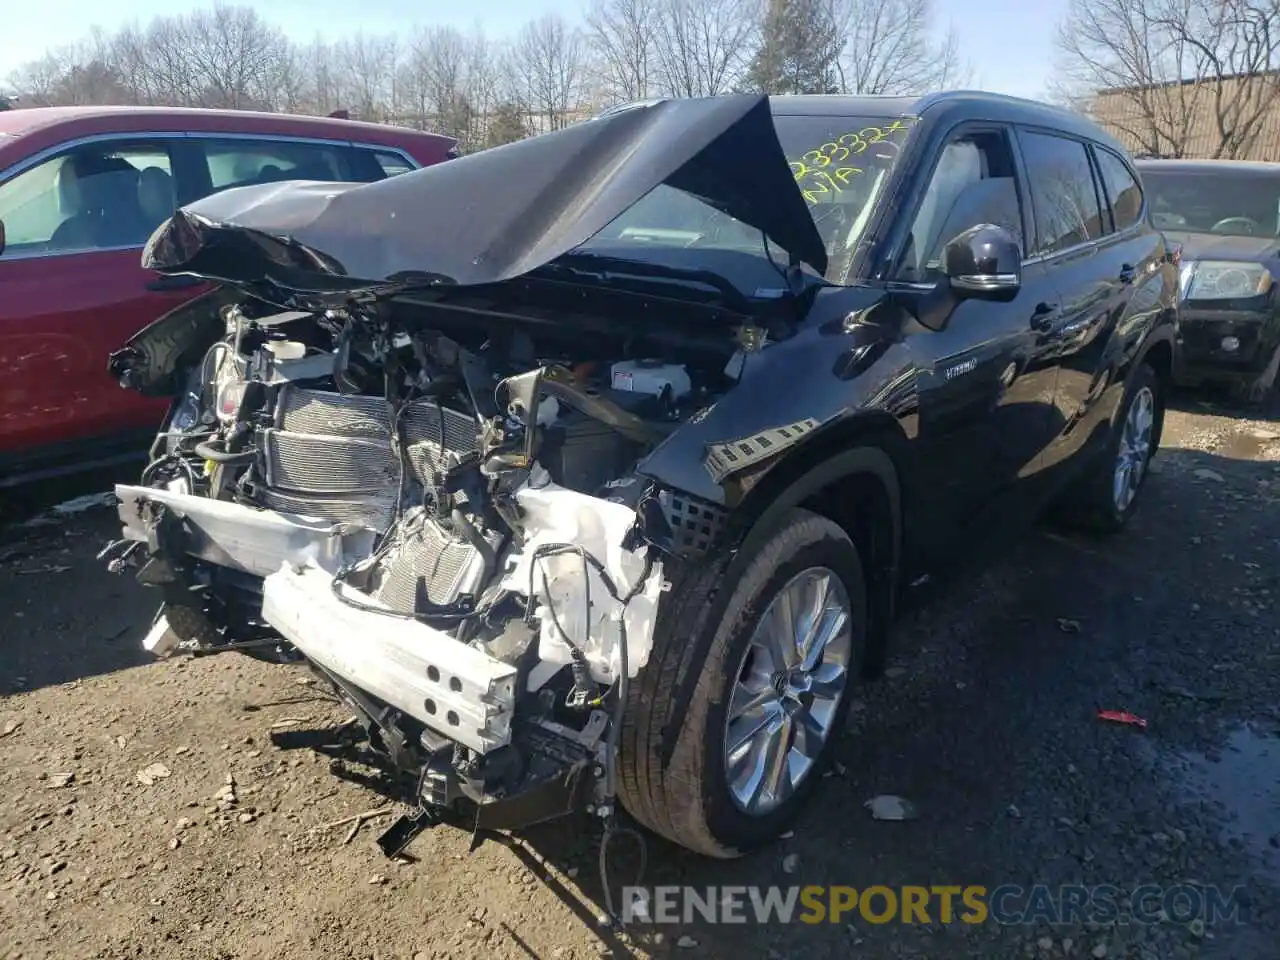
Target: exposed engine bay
<point>446,527</point>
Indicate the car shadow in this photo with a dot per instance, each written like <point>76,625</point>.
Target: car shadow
<point>1216,399</point>
<point>63,617</point>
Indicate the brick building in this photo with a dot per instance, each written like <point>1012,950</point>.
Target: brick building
<point>1196,119</point>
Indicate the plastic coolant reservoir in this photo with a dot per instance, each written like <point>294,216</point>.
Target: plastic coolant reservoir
<point>287,349</point>
<point>652,377</point>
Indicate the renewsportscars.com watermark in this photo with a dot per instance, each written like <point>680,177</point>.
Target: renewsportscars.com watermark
<point>1007,904</point>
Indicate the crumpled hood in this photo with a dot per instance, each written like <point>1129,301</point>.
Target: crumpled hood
<point>497,214</point>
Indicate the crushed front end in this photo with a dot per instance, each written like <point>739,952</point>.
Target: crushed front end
<point>451,534</point>
<point>447,444</point>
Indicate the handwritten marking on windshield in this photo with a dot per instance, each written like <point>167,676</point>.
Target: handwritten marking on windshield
<point>824,170</point>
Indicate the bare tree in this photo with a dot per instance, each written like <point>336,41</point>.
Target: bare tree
<point>486,85</point>
<point>623,35</point>
<point>551,59</point>
<point>366,72</point>
<point>1175,77</point>
<point>889,48</point>
<point>703,46</point>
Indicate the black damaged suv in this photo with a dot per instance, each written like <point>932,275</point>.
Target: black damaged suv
<point>590,468</point>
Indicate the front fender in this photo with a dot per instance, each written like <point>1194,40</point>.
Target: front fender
<point>792,394</point>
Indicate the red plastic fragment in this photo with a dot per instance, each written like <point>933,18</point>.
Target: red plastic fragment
<point>1122,716</point>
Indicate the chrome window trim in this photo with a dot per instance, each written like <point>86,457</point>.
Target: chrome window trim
<point>23,164</point>
<point>396,151</point>
<point>36,159</point>
<point>54,254</point>
<point>1124,234</point>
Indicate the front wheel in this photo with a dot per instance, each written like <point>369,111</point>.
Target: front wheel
<point>738,712</point>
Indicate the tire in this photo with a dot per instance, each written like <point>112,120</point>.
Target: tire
<point>1257,390</point>
<point>674,775</point>
<point>1097,504</point>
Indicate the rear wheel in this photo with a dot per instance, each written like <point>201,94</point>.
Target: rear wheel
<point>743,699</point>
<point>1108,494</point>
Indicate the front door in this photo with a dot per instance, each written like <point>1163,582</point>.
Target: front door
<point>986,380</point>
<point>72,290</point>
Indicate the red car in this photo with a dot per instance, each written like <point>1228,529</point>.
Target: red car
<point>81,190</point>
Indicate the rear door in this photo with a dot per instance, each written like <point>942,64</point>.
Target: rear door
<point>1094,267</point>
<point>72,290</point>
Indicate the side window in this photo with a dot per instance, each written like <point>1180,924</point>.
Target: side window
<point>1122,189</point>
<point>240,163</point>
<point>392,164</point>
<point>1063,191</point>
<point>96,197</point>
<point>972,183</point>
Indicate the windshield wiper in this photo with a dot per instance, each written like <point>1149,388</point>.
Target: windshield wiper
<point>601,263</point>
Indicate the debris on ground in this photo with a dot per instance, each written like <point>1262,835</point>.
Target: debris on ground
<point>151,773</point>
<point>1122,716</point>
<point>88,502</point>
<point>1068,625</point>
<point>10,727</point>
<point>887,806</point>
<point>1206,474</point>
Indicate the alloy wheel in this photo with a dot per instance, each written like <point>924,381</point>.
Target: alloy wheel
<point>1135,449</point>
<point>787,690</point>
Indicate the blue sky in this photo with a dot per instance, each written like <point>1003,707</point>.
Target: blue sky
<point>1010,43</point>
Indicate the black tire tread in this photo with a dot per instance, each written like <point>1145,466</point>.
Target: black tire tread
<point>667,798</point>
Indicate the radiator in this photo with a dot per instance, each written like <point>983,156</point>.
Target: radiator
<point>427,566</point>
<point>330,456</point>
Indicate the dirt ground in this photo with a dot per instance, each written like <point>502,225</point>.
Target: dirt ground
<point>148,809</point>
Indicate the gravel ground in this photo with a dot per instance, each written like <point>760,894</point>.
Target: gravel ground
<point>147,811</point>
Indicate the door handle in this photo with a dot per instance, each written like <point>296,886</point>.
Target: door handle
<point>1042,316</point>
<point>1127,272</point>
<point>173,283</point>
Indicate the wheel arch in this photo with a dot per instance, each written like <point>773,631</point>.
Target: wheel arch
<point>1158,354</point>
<point>852,473</point>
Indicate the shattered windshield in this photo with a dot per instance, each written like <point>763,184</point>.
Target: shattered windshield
<point>840,164</point>
<point>1233,203</point>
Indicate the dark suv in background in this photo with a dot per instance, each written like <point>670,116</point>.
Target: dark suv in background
<point>1225,215</point>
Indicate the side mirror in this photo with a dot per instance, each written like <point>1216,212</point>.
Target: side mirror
<point>983,262</point>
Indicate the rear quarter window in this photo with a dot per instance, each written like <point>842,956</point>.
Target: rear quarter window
<point>391,163</point>
<point>1122,189</point>
<point>238,163</point>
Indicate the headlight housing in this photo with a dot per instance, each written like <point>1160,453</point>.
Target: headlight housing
<point>1222,280</point>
